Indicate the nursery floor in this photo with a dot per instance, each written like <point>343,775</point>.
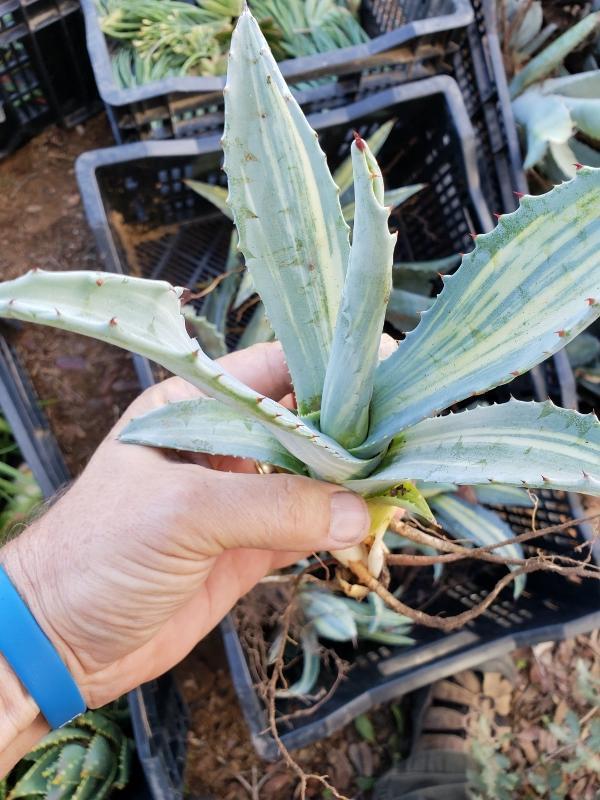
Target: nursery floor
<point>222,764</point>
<point>83,384</point>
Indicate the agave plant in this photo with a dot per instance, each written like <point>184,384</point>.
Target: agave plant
<point>338,619</point>
<point>85,760</point>
<point>373,426</point>
<point>552,110</point>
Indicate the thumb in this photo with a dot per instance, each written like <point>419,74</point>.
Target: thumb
<point>278,512</point>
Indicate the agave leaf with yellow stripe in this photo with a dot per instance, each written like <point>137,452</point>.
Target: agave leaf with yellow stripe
<point>286,208</point>
<point>355,350</point>
<point>207,426</point>
<point>479,525</point>
<point>534,445</point>
<point>525,291</point>
<point>144,317</point>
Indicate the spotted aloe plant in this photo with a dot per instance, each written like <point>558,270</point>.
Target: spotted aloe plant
<point>372,425</point>
<point>86,760</point>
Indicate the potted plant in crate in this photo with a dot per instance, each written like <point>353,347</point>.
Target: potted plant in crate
<point>373,426</point>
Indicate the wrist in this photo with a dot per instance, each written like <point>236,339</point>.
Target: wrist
<point>18,710</point>
<point>31,572</point>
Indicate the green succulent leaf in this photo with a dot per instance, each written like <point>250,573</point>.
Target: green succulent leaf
<point>33,783</point>
<point>416,276</point>
<point>580,84</point>
<point>546,119</point>
<point>407,496</point>
<point>328,615</point>
<point>526,290</point>
<point>210,339</point>
<point>68,770</point>
<point>207,426</point>
<point>552,56</point>
<point>292,232</point>
<point>245,290</point>
<point>583,350</point>
<point>405,308</point>
<point>585,113</point>
<point>219,301</point>
<point>343,175</point>
<point>257,330</point>
<point>391,199</point>
<point>144,317</point>
<point>99,758</point>
<point>493,495</point>
<point>355,351</point>
<point>217,195</point>
<point>519,444</point>
<point>311,666</point>
<point>584,154</point>
<point>479,525</point>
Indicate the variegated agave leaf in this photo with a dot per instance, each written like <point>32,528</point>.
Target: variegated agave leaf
<point>523,293</point>
<point>311,666</point>
<point>519,444</point>
<point>144,317</point>
<point>493,495</point>
<point>257,330</point>
<point>354,354</point>
<point>479,525</point>
<point>405,308</point>
<point>546,119</point>
<point>292,232</point>
<point>217,195</point>
<point>209,337</point>
<point>207,426</point>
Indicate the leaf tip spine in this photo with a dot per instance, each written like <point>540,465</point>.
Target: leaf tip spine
<point>359,141</point>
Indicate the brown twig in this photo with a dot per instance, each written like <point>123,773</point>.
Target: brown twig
<point>448,624</point>
<point>421,537</point>
<point>212,285</point>
<point>303,777</point>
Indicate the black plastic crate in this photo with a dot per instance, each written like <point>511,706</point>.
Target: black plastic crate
<point>21,408</point>
<point>148,222</point>
<point>409,40</point>
<point>479,71</point>
<point>45,72</point>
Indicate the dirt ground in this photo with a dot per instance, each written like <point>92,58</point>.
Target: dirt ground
<point>84,385</point>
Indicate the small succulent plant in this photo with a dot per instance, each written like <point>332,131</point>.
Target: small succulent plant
<point>374,426</point>
<point>85,760</point>
<point>552,110</point>
<point>339,619</point>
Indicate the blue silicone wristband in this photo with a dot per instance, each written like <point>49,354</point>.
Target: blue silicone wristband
<point>34,659</point>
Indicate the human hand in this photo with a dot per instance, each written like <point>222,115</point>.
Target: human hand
<point>146,553</point>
